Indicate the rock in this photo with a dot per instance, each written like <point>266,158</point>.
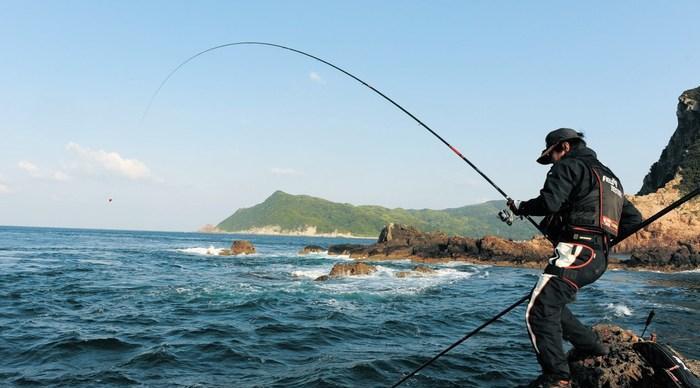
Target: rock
<point>683,149</point>
<point>348,269</point>
<point>676,172</point>
<point>683,255</point>
<point>535,250</point>
<point>622,367</point>
<point>322,278</point>
<point>423,269</point>
<point>345,249</point>
<point>351,269</point>
<point>242,246</point>
<point>418,270</point>
<point>397,234</point>
<point>311,249</point>
<point>398,241</point>
<point>674,236</point>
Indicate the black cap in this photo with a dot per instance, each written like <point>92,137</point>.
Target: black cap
<point>553,139</point>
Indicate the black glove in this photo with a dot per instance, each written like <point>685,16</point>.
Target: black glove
<point>514,206</point>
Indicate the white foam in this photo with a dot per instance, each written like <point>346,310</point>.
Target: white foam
<point>460,263</point>
<point>384,282</point>
<point>619,309</point>
<point>310,274</point>
<point>211,251</point>
<point>321,253</point>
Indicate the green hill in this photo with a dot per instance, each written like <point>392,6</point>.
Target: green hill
<point>297,212</point>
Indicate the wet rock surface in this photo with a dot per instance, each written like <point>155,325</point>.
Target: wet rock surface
<point>311,249</point>
<point>348,269</point>
<point>239,247</point>
<point>418,270</point>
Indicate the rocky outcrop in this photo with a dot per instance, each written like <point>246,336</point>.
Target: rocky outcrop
<point>622,367</point>
<point>682,154</point>
<point>311,249</point>
<point>398,241</point>
<point>673,241</point>
<point>348,269</point>
<point>239,247</point>
<point>654,248</point>
<point>683,149</point>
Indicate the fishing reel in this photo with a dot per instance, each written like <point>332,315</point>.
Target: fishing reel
<point>506,216</point>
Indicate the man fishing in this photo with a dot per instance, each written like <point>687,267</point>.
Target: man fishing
<point>584,208</point>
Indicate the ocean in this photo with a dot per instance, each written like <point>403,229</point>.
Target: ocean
<point>95,308</point>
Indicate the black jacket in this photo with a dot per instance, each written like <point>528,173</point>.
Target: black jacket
<point>568,179</point>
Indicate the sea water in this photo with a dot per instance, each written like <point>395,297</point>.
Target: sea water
<point>107,308</point>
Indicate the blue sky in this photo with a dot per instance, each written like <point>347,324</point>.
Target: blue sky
<point>237,124</point>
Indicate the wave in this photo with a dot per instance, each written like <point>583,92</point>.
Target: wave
<point>158,356</point>
<point>620,310</point>
<point>385,282</point>
<point>310,274</point>
<point>211,251</point>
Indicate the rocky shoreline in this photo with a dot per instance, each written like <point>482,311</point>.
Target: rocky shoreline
<point>402,242</point>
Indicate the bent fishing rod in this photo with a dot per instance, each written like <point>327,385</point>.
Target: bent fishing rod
<point>411,115</point>
<point>636,229</point>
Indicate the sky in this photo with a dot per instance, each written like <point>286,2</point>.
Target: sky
<point>236,124</point>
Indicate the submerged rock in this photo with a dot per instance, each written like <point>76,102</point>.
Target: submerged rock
<point>311,249</point>
<point>239,247</point>
<point>348,269</point>
<point>418,270</point>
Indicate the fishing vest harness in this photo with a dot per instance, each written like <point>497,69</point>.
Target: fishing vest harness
<point>601,208</point>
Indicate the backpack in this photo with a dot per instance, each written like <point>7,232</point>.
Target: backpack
<point>669,369</point>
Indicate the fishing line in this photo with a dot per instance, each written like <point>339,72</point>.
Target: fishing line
<point>455,150</point>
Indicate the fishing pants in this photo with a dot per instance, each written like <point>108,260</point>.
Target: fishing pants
<point>548,319</point>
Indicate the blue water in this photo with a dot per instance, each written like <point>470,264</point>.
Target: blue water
<point>103,308</point>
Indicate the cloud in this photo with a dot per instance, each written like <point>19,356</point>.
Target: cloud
<point>60,176</point>
<point>313,76</point>
<point>4,189</point>
<point>111,162</point>
<point>35,172</point>
<point>284,171</point>
<point>29,168</point>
